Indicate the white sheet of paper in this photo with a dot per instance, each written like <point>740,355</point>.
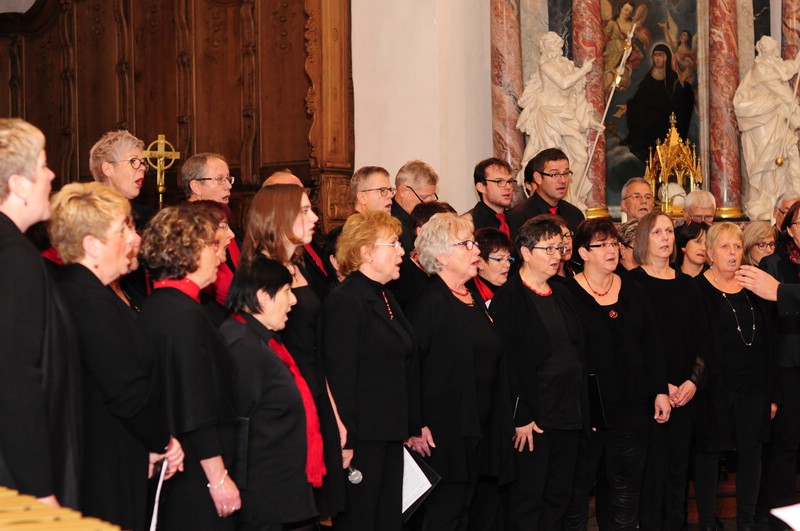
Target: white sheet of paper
<point>789,514</point>
<point>415,482</point>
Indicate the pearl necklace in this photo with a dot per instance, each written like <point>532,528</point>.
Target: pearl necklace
<point>738,325</point>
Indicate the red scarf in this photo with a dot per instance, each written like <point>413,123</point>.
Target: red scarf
<point>184,285</point>
<point>314,256</point>
<point>484,291</point>
<point>315,466</point>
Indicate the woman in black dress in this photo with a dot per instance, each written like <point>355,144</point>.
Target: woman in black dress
<point>282,457</point>
<point>690,245</point>
<point>496,261</point>
<point>180,249</point>
<point>548,377</point>
<point>94,234</point>
<point>280,222</point>
<point>680,320</point>
<point>368,349</point>
<point>463,383</point>
<point>627,381</point>
<point>736,403</point>
<point>781,460</point>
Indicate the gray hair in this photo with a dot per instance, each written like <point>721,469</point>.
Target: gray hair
<point>437,238</point>
<point>632,180</point>
<point>786,196</point>
<point>700,199</point>
<point>195,168</point>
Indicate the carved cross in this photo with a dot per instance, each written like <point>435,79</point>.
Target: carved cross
<point>161,156</point>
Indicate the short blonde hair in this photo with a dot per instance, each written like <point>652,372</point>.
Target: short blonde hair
<point>718,229</point>
<point>79,210</point>
<point>20,145</point>
<point>752,234</point>
<point>437,237</point>
<point>362,230</point>
<point>110,148</point>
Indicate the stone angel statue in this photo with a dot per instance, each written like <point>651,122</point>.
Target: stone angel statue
<point>768,117</point>
<point>556,113</point>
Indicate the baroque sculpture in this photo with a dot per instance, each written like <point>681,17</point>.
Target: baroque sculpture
<point>767,114</point>
<point>556,113</point>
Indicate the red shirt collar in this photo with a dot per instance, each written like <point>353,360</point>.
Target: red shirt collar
<point>183,285</point>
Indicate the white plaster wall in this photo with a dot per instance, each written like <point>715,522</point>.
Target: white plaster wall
<point>421,84</point>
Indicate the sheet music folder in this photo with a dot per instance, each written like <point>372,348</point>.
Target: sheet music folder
<point>418,481</point>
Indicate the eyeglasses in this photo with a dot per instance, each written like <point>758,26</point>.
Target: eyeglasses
<point>501,183</point>
<point>765,245</point>
<point>795,223</point>
<point>396,244</point>
<point>703,219</point>
<point>509,259</point>
<point>137,163</point>
<point>432,197</point>
<point>606,245</point>
<point>550,250</point>
<point>639,197</point>
<point>384,191</point>
<point>469,244</point>
<point>568,235</point>
<point>782,211</point>
<point>219,180</point>
<point>567,174</point>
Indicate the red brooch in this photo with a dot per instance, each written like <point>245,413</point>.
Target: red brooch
<point>613,314</point>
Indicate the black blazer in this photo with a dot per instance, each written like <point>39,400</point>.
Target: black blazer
<point>448,398</point>
<point>368,358</point>
<point>518,322</point>
<point>277,489</point>
<point>535,205</point>
<point>786,326</point>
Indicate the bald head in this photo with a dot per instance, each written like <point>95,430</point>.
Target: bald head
<point>282,177</point>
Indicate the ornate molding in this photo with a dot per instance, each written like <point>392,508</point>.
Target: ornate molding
<point>17,81</point>
<point>69,98</point>
<point>249,93</point>
<point>124,89</point>
<point>185,141</point>
<point>314,73</point>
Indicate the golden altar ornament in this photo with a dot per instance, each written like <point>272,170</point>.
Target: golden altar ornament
<point>674,170</point>
<point>161,156</point>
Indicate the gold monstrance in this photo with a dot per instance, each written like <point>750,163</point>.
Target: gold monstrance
<point>674,161</point>
<point>161,156</point>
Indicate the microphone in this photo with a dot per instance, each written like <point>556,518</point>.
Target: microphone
<point>354,475</point>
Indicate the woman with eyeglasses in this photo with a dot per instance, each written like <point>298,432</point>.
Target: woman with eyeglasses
<point>116,161</point>
<point>690,245</point>
<point>463,383</point>
<point>739,397</point>
<point>93,232</point>
<point>495,264</point>
<point>547,375</point>
<point>368,348</point>
<point>781,461</point>
<point>627,380</point>
<point>279,223</point>
<point>680,320</point>
<point>759,242</point>
<point>180,250</point>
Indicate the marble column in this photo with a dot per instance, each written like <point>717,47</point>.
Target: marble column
<point>508,142</point>
<point>790,28</point>
<point>724,154</point>
<point>588,44</point>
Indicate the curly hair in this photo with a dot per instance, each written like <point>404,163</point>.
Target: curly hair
<point>110,148</point>
<point>174,239</point>
<point>20,145</point>
<point>437,238</point>
<point>270,223</point>
<point>83,209</point>
<point>362,230</point>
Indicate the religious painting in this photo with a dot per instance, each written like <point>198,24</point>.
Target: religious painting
<point>658,79</point>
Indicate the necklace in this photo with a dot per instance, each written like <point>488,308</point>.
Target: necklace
<point>539,293</point>
<point>739,326</point>
<point>595,292</point>
<point>460,294</point>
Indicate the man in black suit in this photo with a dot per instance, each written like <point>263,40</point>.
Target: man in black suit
<point>416,183</point>
<point>494,183</point>
<point>549,169</point>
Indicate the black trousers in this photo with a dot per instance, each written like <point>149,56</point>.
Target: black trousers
<point>543,485</point>
<point>744,417</point>
<point>462,506</point>
<point>614,457</point>
<point>663,497</point>
<point>781,461</point>
<point>375,504</point>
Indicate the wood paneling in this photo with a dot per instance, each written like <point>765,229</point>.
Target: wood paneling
<point>266,83</point>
